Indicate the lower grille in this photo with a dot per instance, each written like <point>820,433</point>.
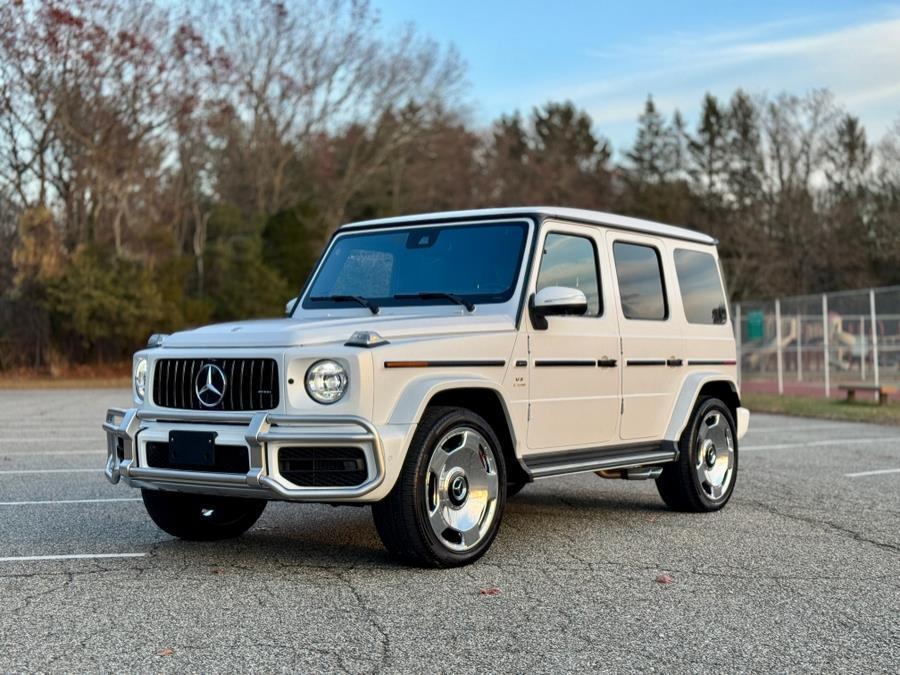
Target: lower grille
<point>226,459</point>
<point>323,467</point>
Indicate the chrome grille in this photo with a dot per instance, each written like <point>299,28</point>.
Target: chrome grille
<point>250,384</point>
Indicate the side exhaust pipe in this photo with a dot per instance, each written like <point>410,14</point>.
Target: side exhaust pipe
<point>636,473</point>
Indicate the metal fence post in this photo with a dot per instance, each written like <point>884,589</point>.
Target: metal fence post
<point>874,337</point>
<point>862,347</point>
<point>825,344</point>
<point>799,347</point>
<point>739,345</point>
<point>778,346</point>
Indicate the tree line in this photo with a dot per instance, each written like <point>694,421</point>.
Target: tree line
<point>163,167</point>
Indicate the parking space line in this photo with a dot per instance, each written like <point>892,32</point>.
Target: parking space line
<point>55,439</point>
<point>21,471</point>
<point>831,441</point>
<point>71,501</point>
<point>42,453</point>
<point>876,472</point>
<point>71,556</point>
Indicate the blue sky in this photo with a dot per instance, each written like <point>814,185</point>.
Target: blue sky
<point>607,56</point>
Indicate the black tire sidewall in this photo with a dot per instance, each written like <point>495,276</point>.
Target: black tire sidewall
<point>425,449</point>
<point>180,514</point>
<point>689,451</point>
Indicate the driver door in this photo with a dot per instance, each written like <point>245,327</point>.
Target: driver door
<point>574,374</point>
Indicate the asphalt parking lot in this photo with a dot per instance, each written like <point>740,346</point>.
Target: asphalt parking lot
<point>798,573</point>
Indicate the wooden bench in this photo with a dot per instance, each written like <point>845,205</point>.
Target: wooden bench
<point>882,392</point>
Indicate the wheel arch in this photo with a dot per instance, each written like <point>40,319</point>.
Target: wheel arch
<point>481,396</point>
<point>695,386</point>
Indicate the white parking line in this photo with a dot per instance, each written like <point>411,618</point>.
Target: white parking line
<point>72,501</point>
<point>71,556</point>
<point>772,430</point>
<point>20,471</point>
<point>54,439</point>
<point>831,441</point>
<point>41,453</point>
<point>877,472</point>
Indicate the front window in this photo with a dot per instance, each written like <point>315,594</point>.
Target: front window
<point>476,264</point>
<point>571,261</point>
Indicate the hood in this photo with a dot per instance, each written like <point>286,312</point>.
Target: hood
<point>290,332</point>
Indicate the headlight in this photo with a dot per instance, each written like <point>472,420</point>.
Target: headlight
<point>140,378</point>
<point>326,381</point>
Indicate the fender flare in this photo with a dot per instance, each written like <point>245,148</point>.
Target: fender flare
<point>687,398</point>
<point>415,397</point>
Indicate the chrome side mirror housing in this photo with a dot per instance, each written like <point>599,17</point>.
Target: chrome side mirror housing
<point>556,301</point>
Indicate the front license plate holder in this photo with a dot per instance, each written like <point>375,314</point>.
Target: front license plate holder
<point>190,449</point>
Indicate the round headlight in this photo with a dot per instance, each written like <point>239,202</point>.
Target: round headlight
<point>326,381</point>
<point>140,378</point>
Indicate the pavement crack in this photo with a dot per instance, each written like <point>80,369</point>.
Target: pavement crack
<point>385,640</point>
<point>826,524</point>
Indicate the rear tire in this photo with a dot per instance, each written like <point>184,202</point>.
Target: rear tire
<point>703,477</point>
<point>202,517</point>
<point>446,506</point>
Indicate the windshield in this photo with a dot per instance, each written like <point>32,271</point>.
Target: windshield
<point>476,263</point>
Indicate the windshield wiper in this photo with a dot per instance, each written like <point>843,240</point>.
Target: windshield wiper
<point>358,299</point>
<point>437,295</point>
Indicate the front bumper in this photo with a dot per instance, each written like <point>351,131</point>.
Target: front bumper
<point>262,433</point>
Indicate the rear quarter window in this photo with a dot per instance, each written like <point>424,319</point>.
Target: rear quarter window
<point>701,287</point>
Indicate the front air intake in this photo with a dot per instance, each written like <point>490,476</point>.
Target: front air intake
<point>323,467</point>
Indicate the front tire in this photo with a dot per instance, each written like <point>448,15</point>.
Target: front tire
<point>446,507</point>
<point>202,517</point>
<point>703,477</point>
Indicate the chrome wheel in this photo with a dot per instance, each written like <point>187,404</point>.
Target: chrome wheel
<point>714,461</point>
<point>461,489</point>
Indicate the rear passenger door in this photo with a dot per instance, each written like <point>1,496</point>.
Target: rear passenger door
<point>574,400</point>
<point>651,334</point>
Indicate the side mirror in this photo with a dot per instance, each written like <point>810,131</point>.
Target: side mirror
<point>556,301</point>
<point>289,306</point>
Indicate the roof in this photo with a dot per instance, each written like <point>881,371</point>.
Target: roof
<point>577,215</point>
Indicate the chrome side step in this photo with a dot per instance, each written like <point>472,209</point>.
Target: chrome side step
<point>608,458</point>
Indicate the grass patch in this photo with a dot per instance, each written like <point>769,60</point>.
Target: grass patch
<point>823,408</point>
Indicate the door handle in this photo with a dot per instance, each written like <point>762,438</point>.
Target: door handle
<point>673,362</point>
<point>607,363</point>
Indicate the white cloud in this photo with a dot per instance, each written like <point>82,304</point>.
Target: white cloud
<point>859,64</point>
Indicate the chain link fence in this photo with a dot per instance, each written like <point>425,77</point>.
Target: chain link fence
<point>813,344</point>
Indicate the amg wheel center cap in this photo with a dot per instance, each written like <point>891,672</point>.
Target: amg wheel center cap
<point>459,490</point>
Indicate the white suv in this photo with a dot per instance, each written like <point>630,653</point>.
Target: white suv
<point>434,365</point>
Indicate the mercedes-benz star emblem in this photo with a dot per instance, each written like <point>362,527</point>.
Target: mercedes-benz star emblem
<point>210,385</point>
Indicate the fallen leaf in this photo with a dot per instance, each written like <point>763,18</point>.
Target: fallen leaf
<point>665,578</point>
<point>217,570</point>
<point>489,591</point>
<point>166,651</point>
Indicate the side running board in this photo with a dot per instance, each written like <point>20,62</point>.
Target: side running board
<point>549,464</point>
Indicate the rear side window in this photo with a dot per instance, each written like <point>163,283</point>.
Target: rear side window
<point>701,287</point>
<point>571,261</point>
<point>641,287</point>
